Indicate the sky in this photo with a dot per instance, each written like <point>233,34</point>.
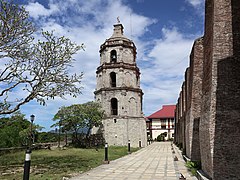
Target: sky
<point>162,30</point>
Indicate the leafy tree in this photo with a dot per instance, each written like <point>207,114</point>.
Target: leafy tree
<point>77,116</point>
<point>26,135</point>
<point>92,115</point>
<point>68,120</point>
<point>15,130</point>
<point>45,137</point>
<point>39,68</point>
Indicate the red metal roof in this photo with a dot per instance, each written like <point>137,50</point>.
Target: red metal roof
<point>167,111</point>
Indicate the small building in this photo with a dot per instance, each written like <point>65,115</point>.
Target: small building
<point>160,122</point>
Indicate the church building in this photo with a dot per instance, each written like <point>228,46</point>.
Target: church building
<point>118,91</point>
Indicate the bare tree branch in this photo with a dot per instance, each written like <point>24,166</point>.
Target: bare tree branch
<point>40,69</point>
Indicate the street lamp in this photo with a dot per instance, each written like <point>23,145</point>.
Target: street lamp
<point>27,161</point>
<point>59,134</point>
<point>32,117</point>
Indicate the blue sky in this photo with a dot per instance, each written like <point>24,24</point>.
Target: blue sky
<point>162,30</point>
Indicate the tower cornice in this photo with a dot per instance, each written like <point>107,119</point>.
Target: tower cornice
<point>120,89</point>
<point>119,41</point>
<point>118,65</point>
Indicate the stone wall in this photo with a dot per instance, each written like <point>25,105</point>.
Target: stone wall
<point>226,70</point>
<point>194,95</point>
<point>117,131</point>
<point>129,102</point>
<point>212,116</point>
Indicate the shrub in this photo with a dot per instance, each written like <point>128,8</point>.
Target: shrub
<point>193,166</point>
<point>160,137</point>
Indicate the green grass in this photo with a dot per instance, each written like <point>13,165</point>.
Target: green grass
<point>57,163</point>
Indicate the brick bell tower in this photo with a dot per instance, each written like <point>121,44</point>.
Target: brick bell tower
<point>118,91</point>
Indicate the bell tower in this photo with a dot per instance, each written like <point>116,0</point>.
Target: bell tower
<point>118,91</point>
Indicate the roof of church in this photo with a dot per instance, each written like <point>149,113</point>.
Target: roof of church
<point>167,111</point>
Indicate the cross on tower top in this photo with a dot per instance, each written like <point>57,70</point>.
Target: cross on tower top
<point>118,20</point>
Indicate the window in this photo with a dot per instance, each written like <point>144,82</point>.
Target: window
<point>163,126</point>
<point>114,106</point>
<point>113,79</point>
<point>163,121</point>
<point>113,56</point>
<point>115,120</point>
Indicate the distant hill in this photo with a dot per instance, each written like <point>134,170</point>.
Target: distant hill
<point>82,130</point>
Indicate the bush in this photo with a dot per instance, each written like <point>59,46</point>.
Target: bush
<point>193,166</point>
<point>44,137</point>
<point>160,137</point>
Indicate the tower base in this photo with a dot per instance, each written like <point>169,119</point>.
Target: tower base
<point>118,131</point>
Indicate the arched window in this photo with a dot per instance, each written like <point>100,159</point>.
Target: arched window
<point>113,56</point>
<point>113,79</point>
<point>114,106</point>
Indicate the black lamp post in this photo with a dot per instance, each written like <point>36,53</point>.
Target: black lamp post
<point>59,135</point>
<point>129,148</point>
<point>27,162</point>
<point>32,117</point>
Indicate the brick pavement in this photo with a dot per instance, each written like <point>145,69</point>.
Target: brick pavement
<point>155,162</point>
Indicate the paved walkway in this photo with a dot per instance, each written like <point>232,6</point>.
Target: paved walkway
<point>155,162</point>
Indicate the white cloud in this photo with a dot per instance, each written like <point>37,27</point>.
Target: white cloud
<point>90,23</point>
<point>170,52</point>
<point>37,10</point>
<point>196,3</point>
<point>162,80</point>
<point>162,62</point>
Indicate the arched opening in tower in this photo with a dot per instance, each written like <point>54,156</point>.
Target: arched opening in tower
<point>113,56</point>
<point>113,79</point>
<point>114,106</point>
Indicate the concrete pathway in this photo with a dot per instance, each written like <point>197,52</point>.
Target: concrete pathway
<point>155,162</point>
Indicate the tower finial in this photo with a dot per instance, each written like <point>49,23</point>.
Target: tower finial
<point>118,20</point>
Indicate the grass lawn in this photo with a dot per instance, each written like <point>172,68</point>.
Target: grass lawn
<point>56,164</point>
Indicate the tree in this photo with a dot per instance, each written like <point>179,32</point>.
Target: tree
<point>68,120</point>
<point>40,69</point>
<point>92,115</point>
<point>15,130</point>
<point>77,116</point>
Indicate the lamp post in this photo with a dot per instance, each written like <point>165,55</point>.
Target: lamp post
<point>129,148</point>
<point>27,162</point>
<point>59,135</point>
<point>32,117</point>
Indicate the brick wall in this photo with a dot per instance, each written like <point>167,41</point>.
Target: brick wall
<point>211,113</point>
<point>194,100</point>
<point>227,95</point>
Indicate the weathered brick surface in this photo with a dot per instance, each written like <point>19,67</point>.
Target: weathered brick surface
<point>194,100</point>
<point>187,113</point>
<point>221,110</point>
<point>177,123</point>
<point>213,115</point>
<point>182,118</point>
<point>205,122</point>
<point>227,120</point>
